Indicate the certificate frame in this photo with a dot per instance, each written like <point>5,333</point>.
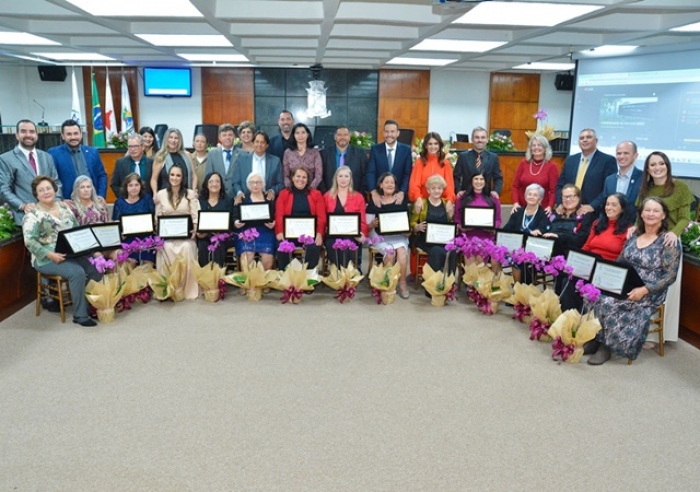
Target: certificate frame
<point>344,225</point>
<point>175,222</point>
<point>615,279</point>
<point>510,239</point>
<point>479,217</point>
<point>582,263</point>
<point>393,222</point>
<point>295,227</point>
<point>214,221</point>
<point>131,224</point>
<point>541,246</point>
<point>103,232</point>
<point>437,234</point>
<point>255,213</point>
<point>77,241</point>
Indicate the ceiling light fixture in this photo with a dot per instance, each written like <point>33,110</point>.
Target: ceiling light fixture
<point>457,45</point>
<point>524,13</point>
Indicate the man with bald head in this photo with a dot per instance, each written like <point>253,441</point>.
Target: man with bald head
<point>627,180</point>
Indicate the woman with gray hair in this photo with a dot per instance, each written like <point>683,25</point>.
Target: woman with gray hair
<point>265,244</point>
<point>86,205</point>
<point>537,168</point>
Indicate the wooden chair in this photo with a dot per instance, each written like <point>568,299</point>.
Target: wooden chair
<point>56,288</point>
<point>658,320</point>
<point>418,259</point>
<point>231,262</point>
<point>326,264</point>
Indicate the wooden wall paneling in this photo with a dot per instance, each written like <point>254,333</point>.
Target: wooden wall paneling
<point>690,297</point>
<point>228,95</point>
<point>404,96</point>
<point>514,100</point>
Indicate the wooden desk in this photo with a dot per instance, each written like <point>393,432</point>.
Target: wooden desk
<point>109,159</point>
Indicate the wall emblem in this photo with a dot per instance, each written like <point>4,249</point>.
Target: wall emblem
<point>316,100</point>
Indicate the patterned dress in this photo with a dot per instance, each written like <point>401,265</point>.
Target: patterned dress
<point>626,323</point>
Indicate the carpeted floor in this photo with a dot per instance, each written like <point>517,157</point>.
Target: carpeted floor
<point>324,397</point>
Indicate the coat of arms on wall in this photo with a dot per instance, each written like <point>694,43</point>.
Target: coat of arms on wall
<point>316,100</point>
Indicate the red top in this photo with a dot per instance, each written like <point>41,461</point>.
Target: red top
<point>420,174</point>
<point>546,175</point>
<point>283,206</point>
<point>354,204</point>
<point>606,244</point>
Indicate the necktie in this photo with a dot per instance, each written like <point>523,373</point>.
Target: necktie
<point>227,160</point>
<point>341,162</point>
<point>478,160</point>
<point>581,172</point>
<point>32,162</point>
<point>137,168</point>
<point>390,158</point>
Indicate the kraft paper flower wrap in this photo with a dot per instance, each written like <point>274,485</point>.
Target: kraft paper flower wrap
<point>171,285</point>
<point>254,278</point>
<point>104,296</point>
<point>209,277</point>
<point>546,308</point>
<point>570,331</point>
<point>294,281</point>
<point>343,281</point>
<point>383,280</point>
<point>492,289</point>
<point>522,294</point>
<point>437,284</point>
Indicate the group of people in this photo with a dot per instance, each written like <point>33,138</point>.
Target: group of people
<point>598,203</point>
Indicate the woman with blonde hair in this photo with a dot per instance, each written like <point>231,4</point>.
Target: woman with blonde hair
<point>536,168</point>
<point>173,152</point>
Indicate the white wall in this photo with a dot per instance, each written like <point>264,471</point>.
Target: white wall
<point>557,103</point>
<point>459,101</point>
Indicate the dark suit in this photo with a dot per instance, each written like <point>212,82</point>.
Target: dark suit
<point>465,169</point>
<point>215,163</point>
<point>63,160</point>
<point>378,164</point>
<point>600,167</point>
<point>16,176</point>
<point>124,166</point>
<point>611,187</point>
<point>278,144</point>
<point>244,166</point>
<point>355,159</point>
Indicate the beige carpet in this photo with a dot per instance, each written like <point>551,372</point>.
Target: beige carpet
<point>325,397</point>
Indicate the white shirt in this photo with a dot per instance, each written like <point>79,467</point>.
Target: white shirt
<point>259,166</point>
<point>36,158</point>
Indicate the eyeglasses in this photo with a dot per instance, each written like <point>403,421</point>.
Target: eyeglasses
<point>255,182</point>
<point>134,146</point>
<point>569,197</point>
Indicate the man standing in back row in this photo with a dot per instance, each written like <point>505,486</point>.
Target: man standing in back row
<point>478,160</point>
<point>223,159</point>
<point>280,142</point>
<point>391,156</point>
<point>343,154</point>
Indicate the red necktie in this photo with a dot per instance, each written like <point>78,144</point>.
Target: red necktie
<point>32,162</point>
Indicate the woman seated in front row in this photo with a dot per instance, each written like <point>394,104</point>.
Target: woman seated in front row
<point>477,195</point>
<point>625,323</point>
<point>133,199</point>
<point>300,200</point>
<point>265,244</point>
<point>40,228</point>
<point>393,247</point>
<point>212,198</point>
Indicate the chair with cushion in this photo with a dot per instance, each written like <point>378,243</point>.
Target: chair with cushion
<point>417,260</point>
<point>56,288</point>
<point>657,326</point>
<point>406,136</point>
<point>160,130</point>
<point>211,132</point>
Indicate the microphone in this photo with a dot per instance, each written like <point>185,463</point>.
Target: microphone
<point>43,112</point>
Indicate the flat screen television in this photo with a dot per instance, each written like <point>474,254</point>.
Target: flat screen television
<point>167,82</point>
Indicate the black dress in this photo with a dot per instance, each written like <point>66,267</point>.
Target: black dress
<point>436,253</point>
<point>203,254</point>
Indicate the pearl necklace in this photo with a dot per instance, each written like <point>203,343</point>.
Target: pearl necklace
<point>540,165</point>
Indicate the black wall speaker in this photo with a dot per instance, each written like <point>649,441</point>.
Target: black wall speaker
<point>564,82</point>
<point>50,73</point>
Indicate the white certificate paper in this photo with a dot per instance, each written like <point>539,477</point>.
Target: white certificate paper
<point>294,227</point>
<point>511,240</point>
<point>108,235</point>
<point>582,264</point>
<point>255,211</point>
<point>439,233</point>
<point>137,224</point>
<point>214,221</point>
<point>343,224</point>
<point>81,240</point>
<point>540,246</point>
<point>609,278</point>
<point>478,217</point>
<point>173,227</point>
<point>393,222</point>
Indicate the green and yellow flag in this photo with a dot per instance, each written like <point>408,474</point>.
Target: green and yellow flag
<point>98,131</point>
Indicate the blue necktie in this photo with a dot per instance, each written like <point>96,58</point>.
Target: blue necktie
<point>228,159</point>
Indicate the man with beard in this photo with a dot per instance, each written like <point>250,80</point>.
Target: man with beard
<point>478,160</point>
<point>280,142</point>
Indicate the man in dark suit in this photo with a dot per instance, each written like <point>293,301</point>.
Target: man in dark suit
<point>343,154</point>
<point>20,166</point>
<point>135,162</point>
<point>73,159</point>
<point>223,159</point>
<point>390,156</point>
<point>488,165</point>
<point>627,179</point>
<point>587,170</point>
<point>280,142</point>
<point>261,162</point>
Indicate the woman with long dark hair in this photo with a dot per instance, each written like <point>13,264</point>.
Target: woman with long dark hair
<point>431,161</point>
<point>301,153</point>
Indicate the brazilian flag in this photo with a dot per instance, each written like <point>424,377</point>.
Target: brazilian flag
<point>98,130</point>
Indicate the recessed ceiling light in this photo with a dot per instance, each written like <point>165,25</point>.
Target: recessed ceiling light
<point>545,66</point>
<point>688,28</point>
<point>608,50</point>
<point>524,14</point>
<point>206,40</point>
<point>74,56</point>
<point>458,45</point>
<point>138,8</point>
<point>25,38</point>
<point>428,62</point>
<point>203,57</point>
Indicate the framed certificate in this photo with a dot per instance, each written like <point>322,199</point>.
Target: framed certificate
<point>540,246</point>
<point>439,234</point>
<point>343,225</point>
<point>76,241</point>
<point>210,221</point>
<point>615,279</point>
<point>175,226</point>
<point>295,227</point>
<point>393,222</point>
<point>108,235</point>
<point>478,217</point>
<point>136,224</point>
<point>511,240</point>
<point>255,212</point>
<point>582,264</point>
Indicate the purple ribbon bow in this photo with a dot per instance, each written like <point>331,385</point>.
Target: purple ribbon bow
<point>562,350</point>
<point>346,293</point>
<point>291,293</point>
<point>521,311</point>
<point>377,295</point>
<point>538,328</point>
